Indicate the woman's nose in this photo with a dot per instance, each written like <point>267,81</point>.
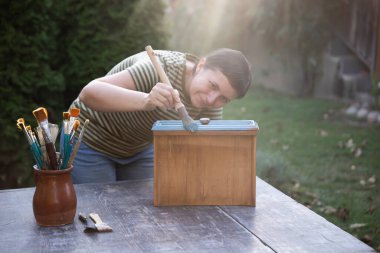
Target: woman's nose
<point>212,97</point>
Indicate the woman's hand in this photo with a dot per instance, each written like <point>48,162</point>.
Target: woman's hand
<point>117,93</point>
<point>163,96</point>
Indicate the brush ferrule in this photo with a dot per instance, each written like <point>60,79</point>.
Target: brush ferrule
<point>71,124</point>
<point>178,105</point>
<point>66,126</point>
<point>40,136</point>
<point>45,131</point>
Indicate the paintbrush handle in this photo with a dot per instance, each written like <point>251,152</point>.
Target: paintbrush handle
<point>96,218</point>
<point>37,155</point>
<point>52,155</point>
<point>66,151</point>
<point>157,66</point>
<point>161,73</point>
<point>77,144</point>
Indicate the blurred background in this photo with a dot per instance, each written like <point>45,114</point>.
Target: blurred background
<point>315,95</point>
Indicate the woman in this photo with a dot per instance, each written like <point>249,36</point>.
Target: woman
<point>123,105</point>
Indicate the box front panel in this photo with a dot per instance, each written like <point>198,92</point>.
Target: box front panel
<point>204,170</point>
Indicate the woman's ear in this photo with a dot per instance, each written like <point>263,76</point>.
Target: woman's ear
<point>200,65</point>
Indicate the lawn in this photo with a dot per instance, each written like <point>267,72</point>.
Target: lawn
<point>311,151</point>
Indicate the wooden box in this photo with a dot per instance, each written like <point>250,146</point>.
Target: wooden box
<point>214,166</point>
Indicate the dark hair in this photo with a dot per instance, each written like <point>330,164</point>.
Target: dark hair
<point>234,65</point>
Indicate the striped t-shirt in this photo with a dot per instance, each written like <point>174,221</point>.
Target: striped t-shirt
<point>123,134</point>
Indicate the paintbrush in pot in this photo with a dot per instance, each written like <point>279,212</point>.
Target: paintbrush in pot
<point>32,145</point>
<point>66,139</point>
<point>188,123</point>
<point>35,143</point>
<point>77,144</point>
<point>73,131</point>
<point>38,147</point>
<point>45,157</point>
<point>54,129</point>
<point>74,113</point>
<point>68,145</point>
<point>99,224</point>
<point>42,118</point>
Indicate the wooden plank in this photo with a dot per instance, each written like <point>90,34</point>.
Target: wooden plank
<point>287,226</point>
<point>276,224</point>
<point>138,226</point>
<point>253,171</point>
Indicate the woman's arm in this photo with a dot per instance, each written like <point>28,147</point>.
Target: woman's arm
<point>117,93</point>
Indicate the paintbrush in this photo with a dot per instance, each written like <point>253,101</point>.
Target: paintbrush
<point>188,123</point>
<point>99,224</point>
<point>65,152</point>
<point>40,138</point>
<point>54,129</point>
<point>73,131</point>
<point>74,113</point>
<point>68,146</point>
<point>32,145</point>
<point>36,146</point>
<point>88,228</point>
<point>42,118</point>
<point>77,144</point>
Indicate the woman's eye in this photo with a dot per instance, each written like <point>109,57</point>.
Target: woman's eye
<point>224,100</point>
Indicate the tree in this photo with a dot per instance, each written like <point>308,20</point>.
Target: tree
<point>302,27</point>
<point>50,49</point>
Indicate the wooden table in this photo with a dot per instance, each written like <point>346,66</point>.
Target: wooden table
<point>276,224</point>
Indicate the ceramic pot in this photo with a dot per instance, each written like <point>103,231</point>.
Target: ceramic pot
<point>54,200</point>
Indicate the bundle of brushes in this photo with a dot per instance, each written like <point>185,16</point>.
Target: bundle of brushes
<point>42,141</point>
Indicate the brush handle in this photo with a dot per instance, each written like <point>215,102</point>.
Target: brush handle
<point>52,155</point>
<point>37,155</point>
<point>66,151</point>
<point>96,218</point>
<point>77,144</point>
<point>161,73</point>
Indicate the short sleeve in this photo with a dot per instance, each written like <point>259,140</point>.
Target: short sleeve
<point>144,75</point>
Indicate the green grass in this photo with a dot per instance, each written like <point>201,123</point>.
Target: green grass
<point>303,150</point>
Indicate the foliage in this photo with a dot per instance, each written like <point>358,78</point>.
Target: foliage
<point>300,27</point>
<point>200,26</point>
<point>50,49</point>
<point>295,31</point>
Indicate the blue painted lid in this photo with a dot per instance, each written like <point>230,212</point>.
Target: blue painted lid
<point>213,125</point>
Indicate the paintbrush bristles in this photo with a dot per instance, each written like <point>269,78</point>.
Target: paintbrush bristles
<point>74,112</point>
<point>187,122</point>
<point>40,114</point>
<point>21,121</point>
<point>66,115</point>
<point>76,124</point>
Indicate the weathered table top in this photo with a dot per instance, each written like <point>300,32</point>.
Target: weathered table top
<point>276,224</point>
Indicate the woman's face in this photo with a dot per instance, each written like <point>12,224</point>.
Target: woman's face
<point>210,88</point>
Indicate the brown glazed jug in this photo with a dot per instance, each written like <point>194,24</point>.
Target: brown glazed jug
<point>54,201</point>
